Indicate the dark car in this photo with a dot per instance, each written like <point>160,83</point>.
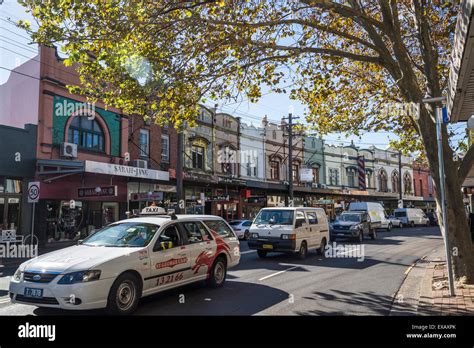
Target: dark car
<point>433,219</point>
<point>352,225</point>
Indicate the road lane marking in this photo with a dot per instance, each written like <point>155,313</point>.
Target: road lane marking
<point>277,273</point>
<point>247,252</point>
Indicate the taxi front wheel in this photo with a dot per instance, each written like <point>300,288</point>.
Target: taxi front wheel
<point>124,295</point>
<point>218,273</point>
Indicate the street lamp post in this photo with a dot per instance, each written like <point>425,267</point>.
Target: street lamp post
<point>442,188</point>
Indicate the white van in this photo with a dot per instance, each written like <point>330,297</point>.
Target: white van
<point>411,217</point>
<point>289,229</point>
<point>376,211</point>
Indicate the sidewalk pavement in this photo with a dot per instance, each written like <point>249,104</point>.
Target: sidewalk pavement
<point>425,290</point>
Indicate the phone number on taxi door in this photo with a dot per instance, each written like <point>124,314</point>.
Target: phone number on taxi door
<point>170,278</point>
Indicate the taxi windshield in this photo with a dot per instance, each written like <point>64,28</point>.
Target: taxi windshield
<point>125,234</point>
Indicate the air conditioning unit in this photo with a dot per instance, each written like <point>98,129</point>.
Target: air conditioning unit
<point>323,186</point>
<point>139,163</point>
<point>314,185</point>
<point>68,150</point>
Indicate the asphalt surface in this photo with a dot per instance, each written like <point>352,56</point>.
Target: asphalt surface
<point>284,285</point>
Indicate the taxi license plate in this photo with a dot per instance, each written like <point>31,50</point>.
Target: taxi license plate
<point>267,246</point>
<point>32,292</point>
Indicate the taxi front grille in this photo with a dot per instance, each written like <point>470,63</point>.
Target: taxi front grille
<point>38,277</point>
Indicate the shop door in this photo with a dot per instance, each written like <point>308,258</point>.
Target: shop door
<point>10,213</point>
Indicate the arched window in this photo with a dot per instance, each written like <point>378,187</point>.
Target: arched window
<point>382,178</point>
<point>395,181</point>
<point>87,134</point>
<point>274,165</point>
<point>274,134</point>
<point>407,183</point>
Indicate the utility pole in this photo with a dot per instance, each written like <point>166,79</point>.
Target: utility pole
<point>290,118</point>
<point>400,175</point>
<point>442,188</point>
<point>290,158</point>
<point>179,173</point>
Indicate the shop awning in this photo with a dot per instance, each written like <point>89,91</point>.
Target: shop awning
<point>63,168</point>
<point>460,97</point>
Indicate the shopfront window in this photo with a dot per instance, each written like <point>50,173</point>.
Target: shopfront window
<point>87,134</point>
<point>13,186</point>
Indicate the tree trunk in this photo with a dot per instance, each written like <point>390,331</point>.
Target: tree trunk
<point>462,251</point>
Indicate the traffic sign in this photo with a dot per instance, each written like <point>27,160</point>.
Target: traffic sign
<point>33,192</point>
<point>400,203</point>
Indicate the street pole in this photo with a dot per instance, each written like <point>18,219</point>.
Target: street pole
<point>290,158</point>
<point>179,172</point>
<point>400,176</point>
<point>32,223</point>
<point>443,199</point>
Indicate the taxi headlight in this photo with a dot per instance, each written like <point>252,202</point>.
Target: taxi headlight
<point>17,275</point>
<point>80,277</point>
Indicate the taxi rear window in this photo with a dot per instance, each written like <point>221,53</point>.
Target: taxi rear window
<point>220,227</point>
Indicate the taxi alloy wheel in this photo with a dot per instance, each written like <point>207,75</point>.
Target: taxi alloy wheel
<point>218,273</point>
<point>124,295</point>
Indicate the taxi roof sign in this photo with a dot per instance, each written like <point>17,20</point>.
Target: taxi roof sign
<point>153,210</point>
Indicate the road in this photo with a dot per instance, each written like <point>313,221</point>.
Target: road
<point>284,285</point>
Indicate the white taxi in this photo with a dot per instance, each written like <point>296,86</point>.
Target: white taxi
<point>129,259</point>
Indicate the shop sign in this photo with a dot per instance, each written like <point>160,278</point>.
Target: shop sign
<point>121,170</point>
<point>227,180</point>
<point>306,174</point>
<point>146,196</point>
<point>99,191</point>
<point>218,198</point>
<point>165,188</point>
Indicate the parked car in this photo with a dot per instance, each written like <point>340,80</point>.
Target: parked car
<point>353,225</point>
<point>292,230</point>
<point>395,221</point>
<point>411,217</point>
<point>127,260</point>
<point>241,228</point>
<point>376,211</point>
<point>433,218</point>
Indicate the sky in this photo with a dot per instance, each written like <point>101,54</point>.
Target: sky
<point>15,49</point>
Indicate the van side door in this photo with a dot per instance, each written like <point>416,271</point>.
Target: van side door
<point>314,229</point>
<point>301,227</point>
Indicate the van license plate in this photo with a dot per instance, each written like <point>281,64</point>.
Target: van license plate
<point>267,246</point>
<point>32,292</point>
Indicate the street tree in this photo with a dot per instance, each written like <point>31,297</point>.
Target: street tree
<point>353,63</point>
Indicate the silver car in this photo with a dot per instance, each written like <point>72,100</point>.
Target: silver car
<point>241,228</point>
